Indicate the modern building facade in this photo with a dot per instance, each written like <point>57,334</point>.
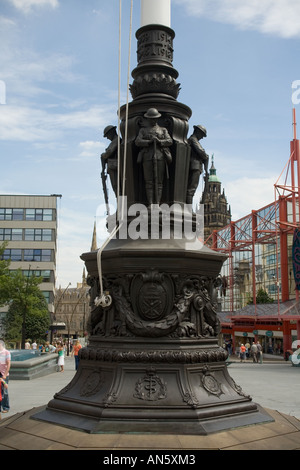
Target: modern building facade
<point>28,223</point>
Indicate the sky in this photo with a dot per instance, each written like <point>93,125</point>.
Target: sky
<point>59,88</point>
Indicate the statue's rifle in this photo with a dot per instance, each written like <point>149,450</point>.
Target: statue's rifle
<point>155,177</point>
<point>104,186</point>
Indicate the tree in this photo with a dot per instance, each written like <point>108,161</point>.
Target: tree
<point>28,315</point>
<point>4,277</point>
<point>262,297</point>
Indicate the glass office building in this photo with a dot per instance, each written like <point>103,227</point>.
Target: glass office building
<point>29,226</point>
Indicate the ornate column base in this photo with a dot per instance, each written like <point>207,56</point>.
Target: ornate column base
<point>130,386</point>
<point>153,363</point>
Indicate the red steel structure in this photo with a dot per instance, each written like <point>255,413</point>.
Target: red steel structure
<point>272,226</point>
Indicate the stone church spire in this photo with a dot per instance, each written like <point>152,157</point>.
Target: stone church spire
<point>217,213</point>
<point>94,239</point>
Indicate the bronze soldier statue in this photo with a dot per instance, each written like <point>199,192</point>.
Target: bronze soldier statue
<point>154,155</point>
<point>109,158</point>
<point>198,158</point>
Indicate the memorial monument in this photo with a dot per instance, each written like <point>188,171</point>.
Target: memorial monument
<point>153,363</point>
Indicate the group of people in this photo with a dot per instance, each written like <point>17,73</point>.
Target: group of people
<point>5,363</point>
<point>254,350</point>
<point>61,348</point>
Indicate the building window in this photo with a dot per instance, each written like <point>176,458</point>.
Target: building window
<point>47,295</point>
<point>39,214</point>
<point>16,234</point>
<point>45,274</point>
<point>38,234</point>
<point>271,259</point>
<point>37,255</point>
<point>13,255</point>
<point>11,234</point>
<point>11,214</point>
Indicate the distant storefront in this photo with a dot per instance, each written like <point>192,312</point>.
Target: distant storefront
<point>275,326</point>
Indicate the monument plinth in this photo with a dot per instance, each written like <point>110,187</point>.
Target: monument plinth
<point>153,362</point>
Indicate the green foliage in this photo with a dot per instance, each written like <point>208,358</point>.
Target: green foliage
<point>4,277</point>
<point>26,302</point>
<point>262,297</point>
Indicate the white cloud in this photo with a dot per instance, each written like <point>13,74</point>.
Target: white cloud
<point>278,17</point>
<point>30,124</point>
<point>26,6</point>
<point>75,230</point>
<point>90,148</point>
<point>6,22</point>
<point>247,194</point>
<point>24,71</point>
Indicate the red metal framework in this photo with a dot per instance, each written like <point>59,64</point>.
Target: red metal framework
<point>271,224</point>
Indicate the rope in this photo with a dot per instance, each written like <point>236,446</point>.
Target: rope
<point>126,114</point>
<point>119,104</point>
<point>105,300</point>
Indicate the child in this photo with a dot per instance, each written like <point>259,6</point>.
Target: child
<point>3,385</point>
<point>61,359</point>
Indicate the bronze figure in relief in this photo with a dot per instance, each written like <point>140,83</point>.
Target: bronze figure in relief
<point>199,158</point>
<point>154,155</point>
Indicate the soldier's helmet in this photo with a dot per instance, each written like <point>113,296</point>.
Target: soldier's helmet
<point>202,129</point>
<point>152,113</point>
<point>107,129</point>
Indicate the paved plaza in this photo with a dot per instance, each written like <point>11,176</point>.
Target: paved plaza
<point>274,385</point>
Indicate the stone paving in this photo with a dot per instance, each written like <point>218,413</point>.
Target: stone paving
<point>273,384</point>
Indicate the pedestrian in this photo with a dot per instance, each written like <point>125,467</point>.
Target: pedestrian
<point>242,353</point>
<point>247,346</point>
<point>259,352</point>
<point>75,352</point>
<point>3,390</point>
<point>34,345</point>
<point>5,360</point>
<point>61,357</point>
<point>254,352</point>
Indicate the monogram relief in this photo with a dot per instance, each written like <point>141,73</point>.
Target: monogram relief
<point>150,387</point>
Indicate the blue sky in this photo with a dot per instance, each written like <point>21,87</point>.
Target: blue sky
<point>59,62</point>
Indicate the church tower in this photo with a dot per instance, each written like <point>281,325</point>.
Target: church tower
<point>217,214</point>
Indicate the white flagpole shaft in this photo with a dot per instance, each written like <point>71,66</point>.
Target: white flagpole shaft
<point>156,12</point>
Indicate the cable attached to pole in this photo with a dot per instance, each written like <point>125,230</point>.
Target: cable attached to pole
<point>105,299</point>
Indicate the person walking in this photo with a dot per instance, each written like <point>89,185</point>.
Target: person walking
<point>254,352</point>
<point>242,353</point>
<point>259,352</point>
<point>75,352</point>
<point>5,360</point>
<point>247,346</point>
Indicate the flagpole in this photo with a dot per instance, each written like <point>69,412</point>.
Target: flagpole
<point>156,12</point>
